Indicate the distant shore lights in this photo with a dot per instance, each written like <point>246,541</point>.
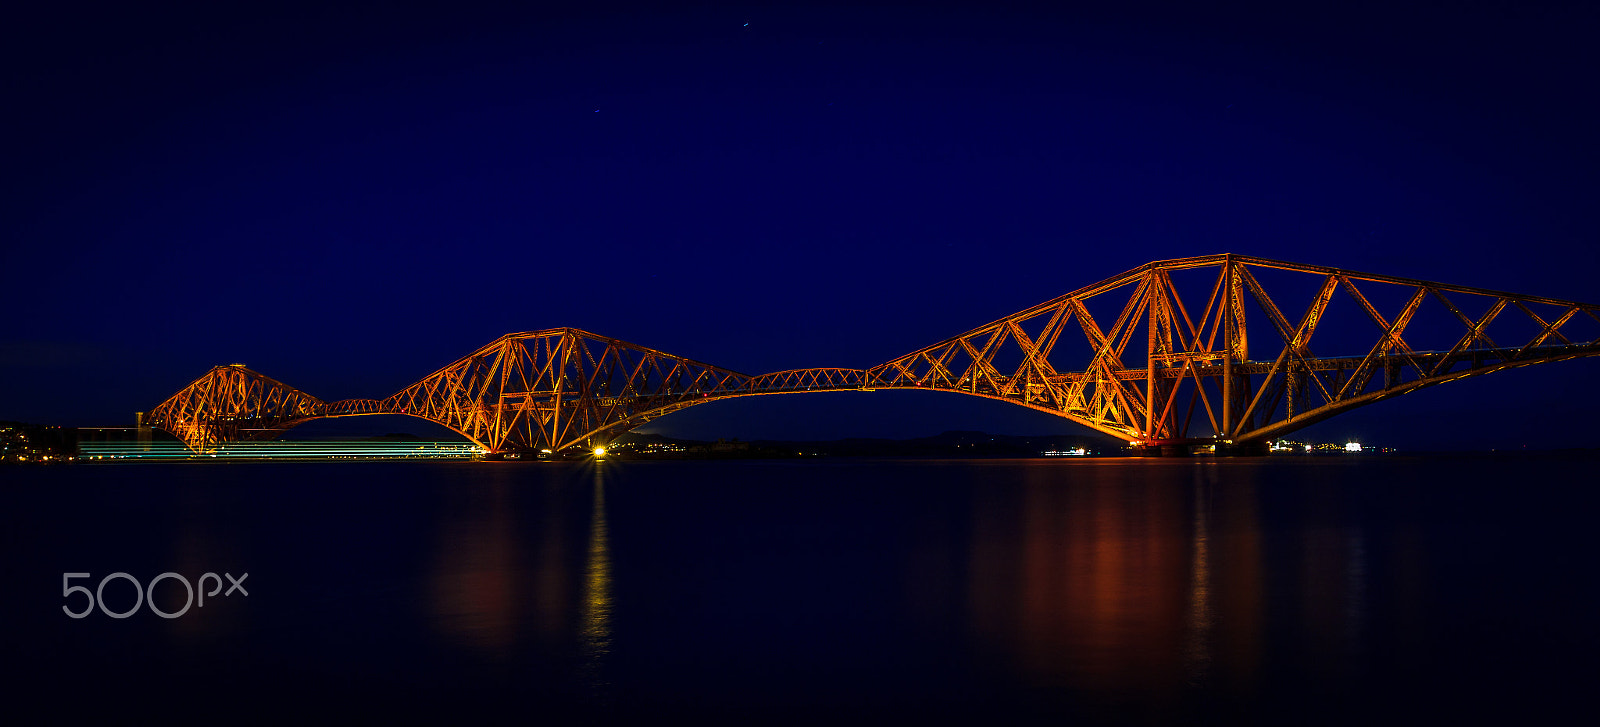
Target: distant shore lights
<point>1078,452</point>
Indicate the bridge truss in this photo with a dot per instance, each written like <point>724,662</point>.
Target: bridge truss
<point>1234,372</point>
<point>1164,362</point>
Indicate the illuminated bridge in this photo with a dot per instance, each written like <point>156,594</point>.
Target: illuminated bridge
<point>1167,372</point>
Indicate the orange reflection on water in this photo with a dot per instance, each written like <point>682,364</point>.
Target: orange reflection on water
<point>1097,596</point>
<point>474,589</point>
<point>596,630</point>
<point>495,588</point>
<point>1106,579</point>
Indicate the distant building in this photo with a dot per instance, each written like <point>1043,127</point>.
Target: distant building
<point>24,443</point>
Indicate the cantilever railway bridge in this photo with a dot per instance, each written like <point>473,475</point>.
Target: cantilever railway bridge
<point>1235,372</point>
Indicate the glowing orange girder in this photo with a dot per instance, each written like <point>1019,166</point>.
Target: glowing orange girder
<point>563,388</point>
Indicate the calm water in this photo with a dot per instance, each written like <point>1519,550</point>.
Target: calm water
<point>1281,591</point>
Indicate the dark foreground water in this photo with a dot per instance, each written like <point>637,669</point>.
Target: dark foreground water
<point>1399,590</point>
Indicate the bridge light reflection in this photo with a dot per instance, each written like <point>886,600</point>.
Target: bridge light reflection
<point>596,633</point>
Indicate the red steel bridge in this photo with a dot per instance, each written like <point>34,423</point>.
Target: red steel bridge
<point>1168,372</point>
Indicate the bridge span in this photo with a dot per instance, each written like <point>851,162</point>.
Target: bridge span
<point>1235,372</point>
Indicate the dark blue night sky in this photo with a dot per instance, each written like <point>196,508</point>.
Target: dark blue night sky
<point>346,199</point>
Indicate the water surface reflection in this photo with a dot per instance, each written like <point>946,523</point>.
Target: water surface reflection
<point>479,587</point>
<point>1226,592</point>
<point>1145,585</point>
<point>596,630</point>
<point>1084,580</point>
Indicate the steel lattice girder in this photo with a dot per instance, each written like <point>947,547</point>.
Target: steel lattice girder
<point>233,403</point>
<point>564,388</point>
<point>1240,396</point>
